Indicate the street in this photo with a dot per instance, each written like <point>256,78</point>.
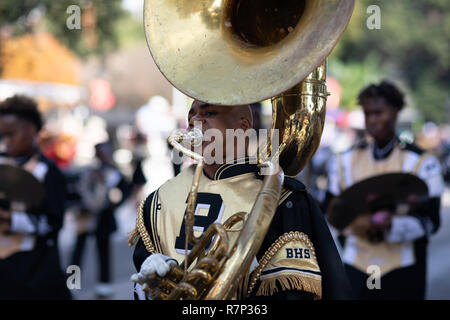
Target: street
<point>439,255</point>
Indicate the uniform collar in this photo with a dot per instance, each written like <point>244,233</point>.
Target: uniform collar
<point>248,165</point>
<point>236,167</point>
<point>383,153</point>
<point>21,160</point>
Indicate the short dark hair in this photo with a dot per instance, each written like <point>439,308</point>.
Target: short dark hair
<point>22,107</point>
<point>386,90</point>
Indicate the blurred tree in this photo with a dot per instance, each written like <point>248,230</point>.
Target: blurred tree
<point>412,48</point>
<point>98,18</point>
<point>39,57</point>
<point>130,31</point>
<point>354,75</point>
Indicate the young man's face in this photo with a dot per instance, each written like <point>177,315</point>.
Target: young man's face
<point>380,119</point>
<point>17,135</point>
<point>220,118</point>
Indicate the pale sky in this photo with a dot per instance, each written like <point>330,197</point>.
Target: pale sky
<point>134,6</point>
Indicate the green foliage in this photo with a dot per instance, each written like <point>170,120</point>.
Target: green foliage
<point>107,13</point>
<point>411,48</point>
<point>354,76</point>
<point>129,30</point>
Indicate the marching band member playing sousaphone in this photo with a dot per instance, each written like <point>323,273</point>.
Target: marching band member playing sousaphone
<point>385,235</point>
<point>29,259</point>
<point>298,258</point>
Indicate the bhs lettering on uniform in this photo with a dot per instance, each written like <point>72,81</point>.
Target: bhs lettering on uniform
<point>297,253</point>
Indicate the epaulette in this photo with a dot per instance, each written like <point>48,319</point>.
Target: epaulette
<point>294,184</point>
<point>140,230</point>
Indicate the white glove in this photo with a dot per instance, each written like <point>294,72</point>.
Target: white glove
<point>156,263</point>
<point>405,228</point>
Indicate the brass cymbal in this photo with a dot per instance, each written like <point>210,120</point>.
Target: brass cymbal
<point>234,52</point>
<point>379,191</point>
<point>20,185</point>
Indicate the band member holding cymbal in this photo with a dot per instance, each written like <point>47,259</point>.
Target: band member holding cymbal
<point>386,239</point>
<point>29,259</point>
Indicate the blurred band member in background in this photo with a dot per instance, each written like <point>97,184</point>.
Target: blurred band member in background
<point>103,189</point>
<point>401,253</point>
<point>30,268</point>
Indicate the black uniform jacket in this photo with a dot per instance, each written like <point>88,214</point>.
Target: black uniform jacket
<point>34,271</point>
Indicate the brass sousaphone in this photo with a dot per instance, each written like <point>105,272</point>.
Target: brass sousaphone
<point>235,52</point>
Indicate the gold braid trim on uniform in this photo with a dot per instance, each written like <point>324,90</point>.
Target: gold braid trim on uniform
<point>141,231</point>
<point>289,281</point>
<point>133,237</point>
<point>243,286</point>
